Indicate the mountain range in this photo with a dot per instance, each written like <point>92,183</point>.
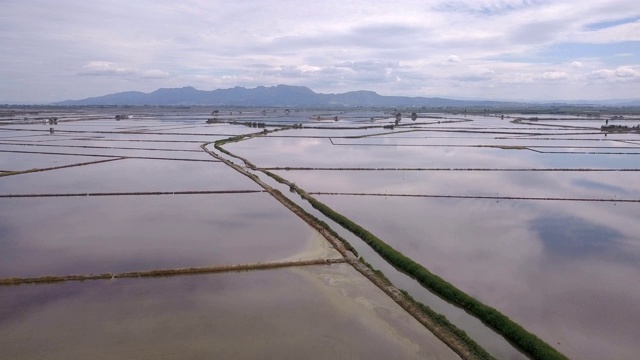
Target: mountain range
<point>281,95</point>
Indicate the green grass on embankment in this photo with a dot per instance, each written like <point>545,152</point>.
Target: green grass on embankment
<point>516,334</point>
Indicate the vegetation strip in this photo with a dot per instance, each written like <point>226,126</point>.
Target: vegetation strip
<point>287,168</point>
<point>168,272</point>
<point>9,173</point>
<point>516,334</point>
<point>194,192</point>
<point>477,197</point>
<point>457,340</point>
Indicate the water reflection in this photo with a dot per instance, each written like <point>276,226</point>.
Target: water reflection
<point>82,235</point>
<point>598,185</point>
<point>130,175</point>
<point>586,296</point>
<point>574,237</point>
<point>309,313</point>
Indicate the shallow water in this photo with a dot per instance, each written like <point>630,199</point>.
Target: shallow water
<point>130,175</point>
<point>21,162</point>
<point>82,235</point>
<point>533,184</point>
<point>312,313</point>
<point>488,339</point>
<point>566,271</point>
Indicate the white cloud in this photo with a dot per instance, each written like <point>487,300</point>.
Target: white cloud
<point>602,74</point>
<point>411,47</point>
<point>627,72</point>
<point>155,74</point>
<point>555,75</point>
<point>623,74</point>
<point>104,68</point>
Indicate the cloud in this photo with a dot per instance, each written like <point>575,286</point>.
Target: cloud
<point>622,74</point>
<point>517,47</point>
<point>483,7</point>
<point>473,74</point>
<point>104,68</point>
<point>453,59</point>
<point>155,74</point>
<point>602,74</point>
<point>627,72</point>
<point>538,33</point>
<point>555,75</point>
<point>369,65</point>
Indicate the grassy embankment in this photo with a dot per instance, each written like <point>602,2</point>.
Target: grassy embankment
<point>514,333</point>
<point>457,339</point>
<point>470,346</point>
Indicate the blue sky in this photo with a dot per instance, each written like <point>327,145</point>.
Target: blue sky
<point>484,49</point>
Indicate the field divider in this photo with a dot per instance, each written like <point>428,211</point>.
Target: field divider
<point>527,342</point>
<point>146,193</point>
<point>96,147</point>
<point>477,197</point>
<point>287,168</point>
<point>168,272</point>
<point>452,336</point>
<point>118,157</point>
<point>10,173</point>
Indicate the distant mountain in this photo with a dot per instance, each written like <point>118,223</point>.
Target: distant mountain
<point>296,96</point>
<point>281,95</point>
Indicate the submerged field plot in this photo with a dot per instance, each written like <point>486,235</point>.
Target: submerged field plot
<point>535,218</point>
<point>124,204</point>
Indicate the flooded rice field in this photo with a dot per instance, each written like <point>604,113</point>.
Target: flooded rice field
<point>539,222</point>
<point>312,312</point>
<point>534,217</point>
<point>112,233</point>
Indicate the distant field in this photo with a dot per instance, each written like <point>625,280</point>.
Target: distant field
<point>535,217</point>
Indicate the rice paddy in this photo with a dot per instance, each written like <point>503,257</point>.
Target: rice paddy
<point>535,219</point>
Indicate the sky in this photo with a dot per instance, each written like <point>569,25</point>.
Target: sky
<point>485,49</point>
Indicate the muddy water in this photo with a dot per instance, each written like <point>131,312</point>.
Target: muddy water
<point>322,312</point>
<point>82,235</point>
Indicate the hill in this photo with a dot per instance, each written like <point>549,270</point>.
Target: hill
<point>281,95</point>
